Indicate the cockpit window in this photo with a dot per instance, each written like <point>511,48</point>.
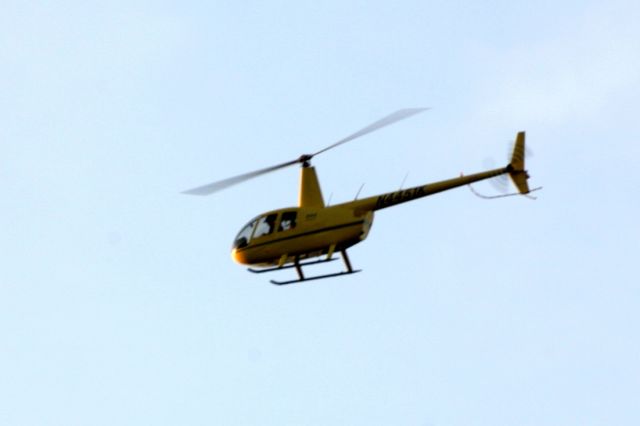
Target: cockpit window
<point>242,240</point>
<point>265,225</point>
<point>288,221</point>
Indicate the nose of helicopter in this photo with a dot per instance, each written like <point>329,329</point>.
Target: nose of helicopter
<point>238,257</point>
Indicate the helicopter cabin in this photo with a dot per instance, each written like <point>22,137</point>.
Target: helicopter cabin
<point>279,237</point>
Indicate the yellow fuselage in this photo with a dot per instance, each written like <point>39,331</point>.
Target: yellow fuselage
<point>281,236</point>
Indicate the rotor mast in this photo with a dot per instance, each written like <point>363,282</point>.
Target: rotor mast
<point>310,194</point>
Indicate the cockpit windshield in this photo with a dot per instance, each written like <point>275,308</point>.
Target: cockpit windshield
<point>265,225</point>
<point>243,237</point>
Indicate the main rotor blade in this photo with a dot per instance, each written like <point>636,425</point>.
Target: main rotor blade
<point>225,183</point>
<point>383,122</point>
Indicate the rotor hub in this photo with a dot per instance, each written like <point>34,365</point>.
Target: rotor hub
<point>305,160</point>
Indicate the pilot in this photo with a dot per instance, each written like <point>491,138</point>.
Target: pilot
<point>270,221</point>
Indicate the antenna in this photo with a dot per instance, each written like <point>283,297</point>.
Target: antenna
<point>358,193</point>
<point>403,181</point>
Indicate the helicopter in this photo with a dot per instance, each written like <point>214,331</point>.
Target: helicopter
<point>312,232</point>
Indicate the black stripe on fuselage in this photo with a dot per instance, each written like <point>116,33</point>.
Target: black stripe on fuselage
<point>305,234</point>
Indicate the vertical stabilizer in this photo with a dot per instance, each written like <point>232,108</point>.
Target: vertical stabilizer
<point>516,168</point>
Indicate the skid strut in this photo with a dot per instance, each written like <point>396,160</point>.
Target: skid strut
<point>346,261</point>
<point>298,268</point>
<point>301,277</point>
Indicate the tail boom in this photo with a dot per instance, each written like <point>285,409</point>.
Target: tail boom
<point>515,169</point>
<point>390,199</point>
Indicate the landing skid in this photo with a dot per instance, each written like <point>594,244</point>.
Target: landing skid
<point>301,278</point>
<point>316,277</point>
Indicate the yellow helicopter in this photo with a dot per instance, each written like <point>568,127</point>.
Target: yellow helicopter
<point>292,237</point>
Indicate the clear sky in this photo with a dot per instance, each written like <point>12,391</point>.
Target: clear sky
<point>120,305</point>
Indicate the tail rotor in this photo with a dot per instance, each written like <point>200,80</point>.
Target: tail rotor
<point>516,171</point>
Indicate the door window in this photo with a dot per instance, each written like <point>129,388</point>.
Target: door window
<point>288,221</point>
<point>265,225</point>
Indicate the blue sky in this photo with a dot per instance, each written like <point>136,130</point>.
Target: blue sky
<point>119,303</point>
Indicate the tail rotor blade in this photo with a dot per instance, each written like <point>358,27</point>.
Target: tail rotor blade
<point>499,183</point>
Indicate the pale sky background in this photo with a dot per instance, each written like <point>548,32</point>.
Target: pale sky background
<point>120,305</point>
